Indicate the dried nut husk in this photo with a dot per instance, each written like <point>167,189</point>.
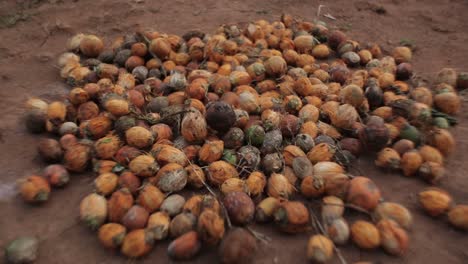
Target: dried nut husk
<point>195,176</point>
<point>288,172</point>
<point>165,154</point>
<point>273,163</point>
<point>220,116</point>
<point>321,152</point>
<point>402,54</point>
<point>234,185</point>
<point>130,181</point>
<point>435,201</point>
<point>137,243</point>
<point>443,140</point>
<point>266,208</point>
<point>56,112</point>
<point>302,167</point>
<point>139,137</point>
<point>270,119</point>
<point>279,187</point>
<point>363,192</point>
<point>321,51</point>
<point>238,246</point>
<point>431,154</point>
<point>184,247</point>
<point>35,120</point>
<point>143,166</point>
<point>234,138</point>
<point>118,205</point>
<point>352,95</point>
<point>393,238</point>
<point>56,175</point>
<point>173,204</point>
<point>111,235</point>
<point>375,135</point>
<point>210,227</point>
<point>335,38</point>
<point>107,147</point>
<point>448,76</point>
<point>394,211</point>
<point>410,163</point>
<point>150,198</point>
<point>66,141</point>
<point>338,231</point>
<point>305,142</point>
<point>117,106</point>
<point>319,249</point>
<point>432,172</point>
<point>158,224</point>
<point>106,166</point>
<point>462,80</point>
<point>337,185</point>
<point>304,43</point>
<point>34,189</point>
<point>240,207</point>
<point>77,157</point>
<point>344,117</point>
<point>352,145</point>
<point>22,250</point>
<point>365,235</point>
<point>332,208</point>
<point>291,152</point>
<point>135,218</point>
<point>98,127</point>
<point>255,183</point>
<point>292,217</point>
<point>126,154</point>
<point>90,45</point>
<point>272,141</point>
<point>93,210</point>
<point>289,125</point>
<point>328,130</point>
<point>312,187</point>
<point>255,135</point>
<point>211,151</point>
<point>309,128</point>
<point>171,178</point>
<point>67,58</point>
<point>50,150</point>
<point>325,169</point>
<point>458,216</point>
<point>193,126</point>
<point>68,128</point>
<point>388,158</point>
<point>403,145</point>
<point>106,183</point>
<point>220,171</point>
<point>309,113</point>
<point>275,66</point>
<point>194,205</point>
<point>161,47</point>
<point>422,95</point>
<point>448,102</point>
<point>181,224</point>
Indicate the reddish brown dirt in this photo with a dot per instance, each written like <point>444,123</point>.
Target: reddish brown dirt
<point>27,54</point>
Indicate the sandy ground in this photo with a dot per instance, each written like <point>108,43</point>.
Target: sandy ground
<point>33,33</point>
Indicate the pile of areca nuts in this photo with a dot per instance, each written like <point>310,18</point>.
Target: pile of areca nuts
<point>259,123</point>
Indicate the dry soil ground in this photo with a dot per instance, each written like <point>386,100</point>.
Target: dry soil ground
<point>34,32</point>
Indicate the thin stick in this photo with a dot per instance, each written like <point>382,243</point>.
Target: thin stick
<point>228,220</point>
<point>263,238</point>
<point>323,231</point>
